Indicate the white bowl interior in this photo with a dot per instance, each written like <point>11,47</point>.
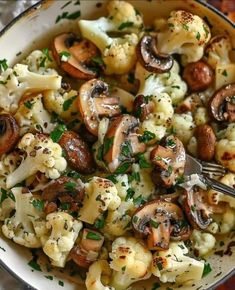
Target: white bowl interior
<point>35,30</point>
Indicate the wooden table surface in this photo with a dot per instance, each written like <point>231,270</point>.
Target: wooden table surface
<point>227,7</point>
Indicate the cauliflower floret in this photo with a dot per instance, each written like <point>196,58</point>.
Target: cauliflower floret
<point>7,204</point>
<point>98,272</point>
<point>183,126</point>
<point>201,116</point>
<point>17,81</point>
<point>154,84</point>
<point>42,154</point>
<point>64,232</point>
<point>224,75</point>
<point>122,185</point>
<point>62,103</point>
<point>216,197</point>
<point>185,34</point>
<point>20,227</point>
<point>101,194</point>
<point>217,51</point>
<point>131,262</point>
<point>118,53</point>
<point>32,116</point>
<point>225,221</point>
<point>143,187</point>
<point>174,265</point>
<point>202,242</point>
<point>41,62</point>
<point>225,152</point>
<point>150,125</point>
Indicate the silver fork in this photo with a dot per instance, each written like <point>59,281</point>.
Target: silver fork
<point>202,169</point>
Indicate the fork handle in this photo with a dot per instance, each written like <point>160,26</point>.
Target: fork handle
<point>218,186</point>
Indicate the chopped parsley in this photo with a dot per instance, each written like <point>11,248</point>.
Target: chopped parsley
<point>99,223</point>
<point>29,104</point>
<point>135,219</point>
<point>1,248</point>
<point>65,205</point>
<point>70,185</point>
<point>65,5</point>
<point>57,133</point>
<point>224,73</point>
<point>38,204</point>
<point>159,265</point>
<point>134,176</point>
<point>108,143</point>
<point>125,25</point>
<point>146,137</point>
<point>64,55</point>
<point>98,60</point>
<point>61,283</point>
<point>49,277</point>
<point>154,224</point>
<point>67,104</point>
<point>156,286</point>
<point>207,269</point>
<point>131,78</point>
<point>139,201</point>
<point>180,179</point>
<point>3,83</point>
<point>126,149</point>
<point>33,264</point>
<point>3,64</point>
<point>5,195</point>
<point>171,25</point>
<point>185,26</point>
<point>123,168</point>
<point>93,236</point>
<point>142,161</point>
<point>113,178</point>
<point>198,36</point>
<point>73,174</point>
<point>69,16</point>
<point>129,194</point>
<point>46,56</point>
<point>123,269</point>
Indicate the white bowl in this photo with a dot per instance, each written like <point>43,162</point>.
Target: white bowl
<point>34,29</point>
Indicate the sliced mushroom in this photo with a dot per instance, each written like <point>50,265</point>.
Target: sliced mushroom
<point>205,142</point>
<point>169,160</point>
<point>142,107</point>
<point>87,251</point>
<point>150,58</point>
<point>160,221</point>
<point>121,142</point>
<point>64,189</point>
<point>221,104</point>
<point>198,76</point>
<point>9,133</point>
<point>74,56</point>
<point>77,152</point>
<point>94,102</point>
<point>196,207</point>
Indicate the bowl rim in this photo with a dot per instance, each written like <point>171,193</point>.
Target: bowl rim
<point>37,6</point>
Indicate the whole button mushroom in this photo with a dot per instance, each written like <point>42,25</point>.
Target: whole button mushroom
<point>169,160</point>
<point>150,58</point>
<point>74,55</point>
<point>205,142</point>
<point>221,105</point>
<point>198,76</point>
<point>77,152</point>
<point>9,133</point>
<point>94,103</point>
<point>160,221</point>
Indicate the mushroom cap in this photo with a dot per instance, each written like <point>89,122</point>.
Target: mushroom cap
<point>196,208</point>
<point>77,53</point>
<point>94,102</point>
<point>77,152</point>
<point>66,189</point>
<point>221,106</point>
<point>161,220</point>
<point>120,135</point>
<point>150,58</point>
<point>9,133</point>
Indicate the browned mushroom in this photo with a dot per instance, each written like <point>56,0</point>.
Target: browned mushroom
<point>66,190</point>
<point>205,142</point>
<point>121,142</point>
<point>77,152</point>
<point>142,107</point>
<point>94,102</point>
<point>169,160</point>
<point>196,207</point>
<point>150,58</point>
<point>74,55</point>
<point>9,133</point>
<point>221,105</point>
<point>198,75</point>
<point>160,221</point>
<point>87,251</point>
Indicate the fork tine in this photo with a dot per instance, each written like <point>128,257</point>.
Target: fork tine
<point>212,168</point>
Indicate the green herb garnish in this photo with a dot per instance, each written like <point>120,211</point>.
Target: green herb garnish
<point>129,194</point>
<point>207,269</point>
<point>66,15</point>
<point>123,168</point>
<point>64,55</point>
<point>156,286</point>
<point>67,104</point>
<point>147,136</point>
<point>125,25</point>
<point>154,224</point>
<point>224,73</point>
<point>3,64</point>
<point>33,264</point>
<point>29,104</point>
<point>38,204</point>
<point>57,133</point>
<point>70,185</point>
<point>198,36</point>
<point>108,143</point>
<point>142,161</point>
<point>93,236</point>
